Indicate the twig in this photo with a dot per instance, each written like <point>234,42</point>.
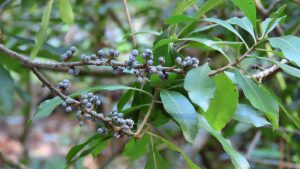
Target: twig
<point>253,144</point>
<point>140,129</point>
<point>274,163</point>
<point>269,71</point>
<point>130,23</point>
<point>11,162</point>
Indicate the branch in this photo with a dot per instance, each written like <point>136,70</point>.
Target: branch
<point>259,76</point>
<point>11,162</point>
<point>140,129</point>
<point>130,23</point>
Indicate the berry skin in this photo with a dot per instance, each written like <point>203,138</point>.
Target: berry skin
<point>111,52</point>
<point>101,115</point>
<point>100,131</point>
<point>125,127</point>
<point>101,53</point>
<point>178,60</point>
<point>93,56</point>
<point>69,53</point>
<point>80,123</point>
<point>68,109</point>
<point>148,52</point>
<point>65,81</point>
<point>159,68</point>
<point>116,54</point>
<point>88,105</point>
<point>85,101</point>
<point>129,122</point>
<point>152,70</point>
<point>87,116</point>
<point>120,115</point>
<point>183,64</point>
<point>139,79</point>
<point>161,60</point>
<point>64,104</point>
<point>64,57</point>
<point>149,62</point>
<point>136,72</point>
<point>73,49</point>
<point>98,103</point>
<point>134,52</point>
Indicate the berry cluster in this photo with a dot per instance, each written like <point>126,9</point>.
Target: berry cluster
<point>64,85</point>
<point>69,54</point>
<point>188,62</point>
<point>85,110</point>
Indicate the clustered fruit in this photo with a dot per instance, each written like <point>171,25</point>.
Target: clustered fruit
<point>85,108</point>
<point>142,71</point>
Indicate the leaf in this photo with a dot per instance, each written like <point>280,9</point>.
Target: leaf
<point>125,98</point>
<point>66,12</point>
<point>163,42</point>
<point>47,107</point>
<point>179,18</point>
<point>270,23</point>
<point>41,36</point>
<point>7,96</point>
<point>227,26</point>
<point>207,6</point>
<point>238,160</point>
<point>182,6</point>
<point>286,68</point>
<point>259,98</point>
<point>249,115</point>
<point>224,104</point>
<point>75,149</point>
<point>182,111</point>
<point>289,45</point>
<point>154,159</point>
<point>140,145</point>
<point>171,146</point>
<point>249,9</point>
<point>99,147</point>
<point>244,23</point>
<point>199,86</point>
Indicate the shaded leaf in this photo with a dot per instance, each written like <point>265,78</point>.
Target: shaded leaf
<point>270,23</point>
<point>154,159</point>
<point>258,97</point>
<point>179,18</point>
<point>289,45</point>
<point>42,34</point>
<point>207,6</point>
<point>244,23</point>
<point>6,91</point>
<point>182,111</point>
<point>249,115</point>
<point>140,145</point>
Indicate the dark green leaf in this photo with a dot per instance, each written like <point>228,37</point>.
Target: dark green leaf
<point>179,18</point>
<point>259,98</point>
<point>249,115</point>
<point>42,34</point>
<point>199,86</point>
<point>99,147</point>
<point>171,146</point>
<point>66,12</point>
<point>125,98</point>
<point>154,159</point>
<point>183,5</point>
<point>249,9</point>
<point>224,104</point>
<point>182,111</point>
<point>289,45</point>
<point>244,23</point>
<point>6,91</point>
<point>270,23</point>
<point>133,145</point>
<point>238,160</point>
<point>207,6</point>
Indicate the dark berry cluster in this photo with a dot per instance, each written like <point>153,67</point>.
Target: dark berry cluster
<point>85,107</point>
<point>69,54</point>
<point>64,85</point>
<point>188,62</point>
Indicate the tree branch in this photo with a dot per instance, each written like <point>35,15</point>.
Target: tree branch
<point>259,76</point>
<point>11,162</point>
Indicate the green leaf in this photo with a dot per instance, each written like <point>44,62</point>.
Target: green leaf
<point>66,12</point>
<point>207,6</point>
<point>259,98</point>
<point>171,146</point>
<point>99,147</point>
<point>182,111</point>
<point>249,115</point>
<point>224,104</point>
<point>183,5</point>
<point>227,26</point>
<point>249,9</point>
<point>286,68</point>
<point>238,160</point>
<point>75,149</point>
<point>180,18</point>
<point>163,42</point>
<point>270,23</point>
<point>42,34</point>
<point>125,98</point>
<point>199,86</point>
<point>244,23</point>
<point>7,95</point>
<point>289,45</point>
<point>140,145</point>
<point>47,107</point>
<point>154,159</point>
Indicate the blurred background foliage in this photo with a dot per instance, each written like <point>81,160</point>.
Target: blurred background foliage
<point>44,143</point>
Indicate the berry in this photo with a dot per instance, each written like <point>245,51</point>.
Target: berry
<point>88,105</point>
<point>64,104</point>
<point>134,52</point>
<point>111,52</point>
<point>148,52</point>
<point>69,53</point>
<point>80,123</point>
<point>125,127</point>
<point>98,103</point>
<point>152,70</point>
<point>149,62</point>
<point>68,109</point>
<point>101,53</point>
<point>129,122</point>
<point>178,60</point>
<point>73,49</point>
<point>64,57</point>
<point>93,56</point>
<point>136,72</point>
<point>161,60</point>
<point>139,79</point>
<point>101,115</point>
<point>120,115</point>
<point>159,68</point>
<point>116,54</point>
<point>100,131</point>
<point>65,81</point>
<point>87,116</point>
<point>85,101</point>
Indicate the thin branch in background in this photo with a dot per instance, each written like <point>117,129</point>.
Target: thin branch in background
<point>281,156</point>
<point>130,23</point>
<point>10,162</point>
<point>274,163</point>
<point>269,71</point>
<point>253,144</point>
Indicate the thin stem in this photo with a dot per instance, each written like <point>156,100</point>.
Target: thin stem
<point>140,129</point>
<point>130,23</point>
